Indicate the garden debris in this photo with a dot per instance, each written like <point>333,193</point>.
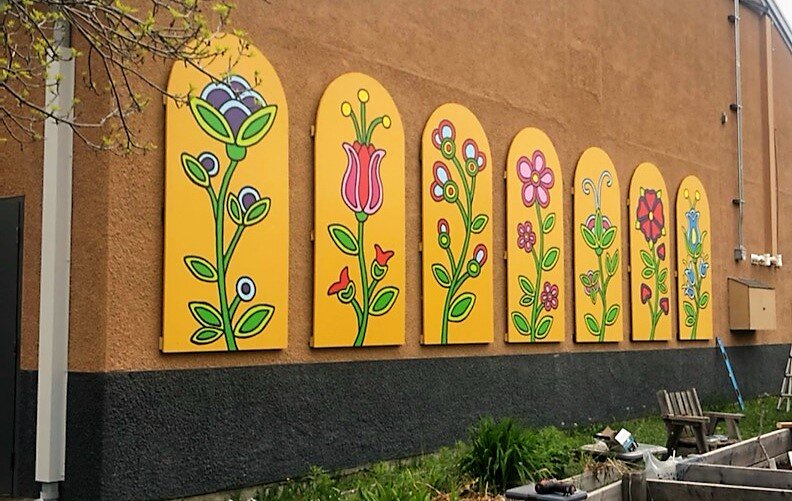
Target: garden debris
<point>552,486</point>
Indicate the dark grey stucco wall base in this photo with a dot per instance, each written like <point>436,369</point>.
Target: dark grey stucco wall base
<point>154,435</point>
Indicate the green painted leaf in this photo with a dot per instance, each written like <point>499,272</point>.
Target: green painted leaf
<point>206,314</point>
<point>689,321</point>
<point>254,320</point>
<point>591,324</point>
<point>550,258</point>
<point>479,223</point>
<point>194,170</point>
<point>647,273</point>
<point>201,268</point>
<point>344,239</point>
<point>690,310</point>
<point>543,328</point>
<point>608,237</point>
<point>257,212</point>
<point>205,335</point>
<point>662,288</point>
<point>234,209</point>
<point>585,280</point>
<point>211,121</point>
<point>441,275</point>
<point>612,314</point>
<point>612,262</point>
<point>256,126</point>
<point>647,259</point>
<point>383,301</point>
<point>461,307</point>
<point>525,285</point>
<point>704,300</point>
<point>549,223</point>
<point>526,300</point>
<point>521,323</point>
<point>588,236</point>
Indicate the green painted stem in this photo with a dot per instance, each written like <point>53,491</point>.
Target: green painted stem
<point>653,309</point>
<point>535,309</point>
<point>232,246</point>
<point>221,269</point>
<point>603,295</point>
<point>363,318</point>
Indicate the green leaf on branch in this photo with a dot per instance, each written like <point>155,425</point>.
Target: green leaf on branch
<point>612,262</point>
<point>195,171</point>
<point>543,329</point>
<point>662,288</point>
<point>479,223</point>
<point>549,223</point>
<point>588,236</point>
<point>690,310</point>
<point>612,314</point>
<point>591,324</point>
<point>585,280</point>
<point>647,273</point>
<point>647,259</point>
<point>526,300</point>
<point>662,275</point>
<point>211,120</point>
<point>525,285</point>
<point>344,239</point>
<point>234,209</point>
<point>206,314</point>
<point>550,258</point>
<point>201,268</point>
<point>608,237</point>
<point>689,321</point>
<point>256,126</point>
<point>521,323</point>
<point>704,300</point>
<point>206,335</point>
<point>383,301</point>
<point>441,275</point>
<point>254,320</point>
<point>461,307</point>
<point>257,212</point>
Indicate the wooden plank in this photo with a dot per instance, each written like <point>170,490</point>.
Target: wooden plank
<point>748,452</point>
<point>674,490</point>
<point>612,492</point>
<point>698,410</point>
<point>736,475</point>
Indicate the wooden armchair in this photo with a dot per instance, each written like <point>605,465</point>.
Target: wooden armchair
<point>688,426</point>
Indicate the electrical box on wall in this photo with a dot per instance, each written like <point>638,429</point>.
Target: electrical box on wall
<point>751,305</point>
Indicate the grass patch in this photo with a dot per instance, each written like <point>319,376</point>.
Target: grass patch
<point>498,454</point>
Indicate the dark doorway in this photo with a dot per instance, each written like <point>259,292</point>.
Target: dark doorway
<point>10,259</point>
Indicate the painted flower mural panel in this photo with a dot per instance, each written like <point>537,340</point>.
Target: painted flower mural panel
<point>457,208</point>
<point>649,270</point>
<point>536,242</point>
<point>226,216</point>
<point>597,249</point>
<point>359,207</point>
<point>693,248</point>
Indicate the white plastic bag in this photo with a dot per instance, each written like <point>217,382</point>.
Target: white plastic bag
<point>655,468</point>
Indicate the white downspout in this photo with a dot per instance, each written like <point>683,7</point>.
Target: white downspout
<point>55,263</point>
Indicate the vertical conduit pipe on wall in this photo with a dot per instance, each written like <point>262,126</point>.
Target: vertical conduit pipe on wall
<point>55,262</point>
<point>739,251</point>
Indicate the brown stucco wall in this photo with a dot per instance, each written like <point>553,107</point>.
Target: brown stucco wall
<point>645,80</point>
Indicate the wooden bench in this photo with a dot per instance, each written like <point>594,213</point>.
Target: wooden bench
<point>688,426</point>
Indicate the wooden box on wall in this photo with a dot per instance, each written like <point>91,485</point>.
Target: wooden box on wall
<point>751,305</point>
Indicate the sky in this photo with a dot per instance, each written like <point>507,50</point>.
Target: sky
<point>786,8</point>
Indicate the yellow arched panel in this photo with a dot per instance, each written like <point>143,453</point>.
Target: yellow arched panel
<point>535,242</point>
<point>649,240</point>
<point>457,229</point>
<point>359,262</point>
<point>226,263</point>
<point>694,260</point>
<point>598,267</point>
